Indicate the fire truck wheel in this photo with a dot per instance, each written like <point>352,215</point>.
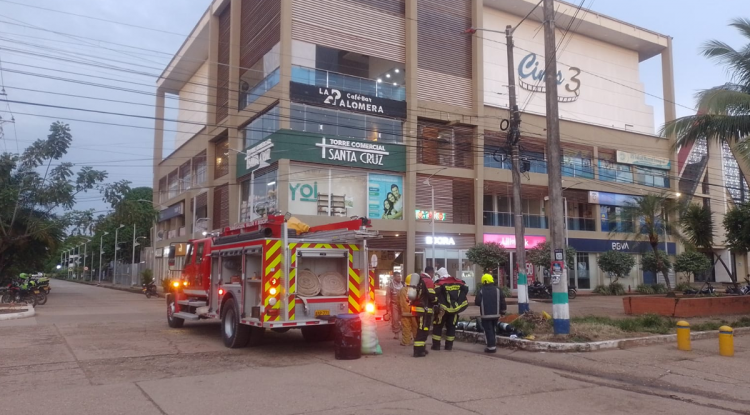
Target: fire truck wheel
<point>234,334</point>
<point>318,334</point>
<point>174,322</point>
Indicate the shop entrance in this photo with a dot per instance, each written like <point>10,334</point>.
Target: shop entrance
<point>454,261</point>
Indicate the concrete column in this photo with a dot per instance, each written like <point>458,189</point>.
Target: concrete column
<point>213,58</point>
<point>234,86</point>
<point>282,185</point>
<point>410,133</point>
<point>286,64</point>
<point>158,140</point>
<point>670,108</point>
<point>477,18</point>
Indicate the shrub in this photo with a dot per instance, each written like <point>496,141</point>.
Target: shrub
<point>683,286</point>
<point>612,289</point>
<point>645,289</point>
<point>166,283</point>
<point>507,292</point>
<point>659,288</point>
<point>146,276</point>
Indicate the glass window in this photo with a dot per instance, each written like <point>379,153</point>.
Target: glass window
<point>297,123</point>
<point>221,168</point>
<point>261,127</point>
<point>607,171</point>
<point>651,177</point>
<point>624,174</point>
<point>577,167</point>
<point>351,125</point>
<point>200,168</point>
<point>199,253</point>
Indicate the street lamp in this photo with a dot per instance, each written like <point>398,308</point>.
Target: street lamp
<point>85,250</point>
<point>114,272</point>
<point>132,266</point>
<point>432,213</point>
<point>101,251</point>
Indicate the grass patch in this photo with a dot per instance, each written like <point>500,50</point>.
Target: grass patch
<point>649,323</point>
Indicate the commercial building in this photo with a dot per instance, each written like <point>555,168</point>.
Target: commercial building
<point>384,108</point>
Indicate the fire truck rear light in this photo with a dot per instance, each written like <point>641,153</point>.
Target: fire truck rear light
<point>272,302</point>
<point>370,308</point>
<point>272,291</point>
<point>176,284</point>
<point>221,291</point>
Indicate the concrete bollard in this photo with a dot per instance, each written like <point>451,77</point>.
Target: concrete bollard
<point>683,336</point>
<point>726,341</point>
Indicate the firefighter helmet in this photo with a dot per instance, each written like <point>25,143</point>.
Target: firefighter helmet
<point>487,279</point>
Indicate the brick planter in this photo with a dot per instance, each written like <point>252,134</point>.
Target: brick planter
<point>687,307</point>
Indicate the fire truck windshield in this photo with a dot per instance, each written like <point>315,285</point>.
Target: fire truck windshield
<point>189,253</point>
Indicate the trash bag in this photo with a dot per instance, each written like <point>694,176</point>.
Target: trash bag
<point>370,344</point>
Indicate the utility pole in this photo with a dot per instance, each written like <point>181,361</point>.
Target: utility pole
<point>560,308</point>
<point>514,136</point>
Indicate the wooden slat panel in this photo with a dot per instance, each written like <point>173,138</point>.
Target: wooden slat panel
<point>260,29</point>
<point>222,72</point>
<point>221,207</point>
<point>350,26</point>
<point>442,46</point>
<point>433,145</point>
<point>396,7</point>
<point>444,88</point>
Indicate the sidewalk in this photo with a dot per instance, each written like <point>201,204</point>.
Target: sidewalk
<point>133,289</point>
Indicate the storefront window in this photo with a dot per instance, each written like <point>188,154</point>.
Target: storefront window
<point>499,158</point>
<point>261,127</point>
<point>651,177</point>
<point>578,166</point>
<point>585,271</point>
<point>258,196</point>
<point>354,192</point>
<point>345,124</point>
<point>610,171</point>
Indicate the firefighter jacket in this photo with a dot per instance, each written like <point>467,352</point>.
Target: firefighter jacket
<point>426,298</point>
<point>491,301</point>
<point>451,294</point>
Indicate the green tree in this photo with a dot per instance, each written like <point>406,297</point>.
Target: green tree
<point>37,195</point>
<point>540,256</point>
<point>698,229</point>
<point>723,111</point>
<point>692,263</point>
<point>488,256</point>
<point>650,262</point>
<point>616,263</point>
<point>649,215</point>
<point>737,227</point>
<point>130,206</point>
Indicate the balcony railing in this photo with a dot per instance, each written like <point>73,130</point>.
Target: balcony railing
<point>581,224</point>
<point>506,219</point>
<point>270,81</point>
<point>328,79</point>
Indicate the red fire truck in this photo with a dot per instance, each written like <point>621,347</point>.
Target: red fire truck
<point>247,276</point>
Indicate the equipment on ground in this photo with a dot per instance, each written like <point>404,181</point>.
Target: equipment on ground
<point>268,274</point>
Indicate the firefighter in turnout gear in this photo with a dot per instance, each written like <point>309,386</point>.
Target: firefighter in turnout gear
<point>451,295</point>
<point>422,298</point>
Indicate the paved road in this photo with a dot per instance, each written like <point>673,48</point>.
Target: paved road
<point>93,350</point>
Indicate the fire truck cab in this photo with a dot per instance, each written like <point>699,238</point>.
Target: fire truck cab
<point>247,276</point>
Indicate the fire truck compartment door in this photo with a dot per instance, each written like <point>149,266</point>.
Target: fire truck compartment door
<point>322,253</point>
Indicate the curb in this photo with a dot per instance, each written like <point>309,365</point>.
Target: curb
<point>30,312</point>
<point>535,346</point>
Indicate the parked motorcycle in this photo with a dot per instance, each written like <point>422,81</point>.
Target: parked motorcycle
<point>539,290</point>
<point>707,289</point>
<point>41,295</point>
<point>150,289</point>
<point>740,290</point>
<point>15,293</point>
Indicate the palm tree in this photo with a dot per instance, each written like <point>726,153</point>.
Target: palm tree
<point>648,216</point>
<point>723,111</point>
<point>698,230</point>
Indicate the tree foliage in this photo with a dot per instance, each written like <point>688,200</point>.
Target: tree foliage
<point>488,256</point>
<point>616,263</point>
<point>540,256</point>
<point>37,194</point>
<point>723,111</point>
<point>647,215</point>
<point>698,226</point>
<point>650,261</point>
<point>692,263</point>
<point>737,226</point>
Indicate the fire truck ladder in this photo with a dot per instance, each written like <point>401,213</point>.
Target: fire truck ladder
<point>339,236</point>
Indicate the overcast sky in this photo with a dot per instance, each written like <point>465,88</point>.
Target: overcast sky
<point>28,43</point>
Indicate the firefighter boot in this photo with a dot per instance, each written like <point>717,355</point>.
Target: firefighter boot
<point>436,343</point>
<point>448,345</point>
<point>419,351</point>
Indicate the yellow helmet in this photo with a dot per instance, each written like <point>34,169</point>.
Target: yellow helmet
<point>487,279</point>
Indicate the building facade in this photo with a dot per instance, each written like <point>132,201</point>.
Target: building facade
<point>387,109</point>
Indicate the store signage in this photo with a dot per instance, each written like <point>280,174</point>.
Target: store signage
<point>352,151</point>
<point>345,100</point>
<point>509,241</point>
<point>604,245</point>
<point>439,240</point>
<point>258,155</point>
<point>533,75</point>
<point>316,148</point>
<point>425,215</point>
<point>643,160</point>
<point>611,199</point>
<point>171,212</point>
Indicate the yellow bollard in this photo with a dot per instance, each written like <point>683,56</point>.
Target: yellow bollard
<point>726,341</point>
<point>683,336</point>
